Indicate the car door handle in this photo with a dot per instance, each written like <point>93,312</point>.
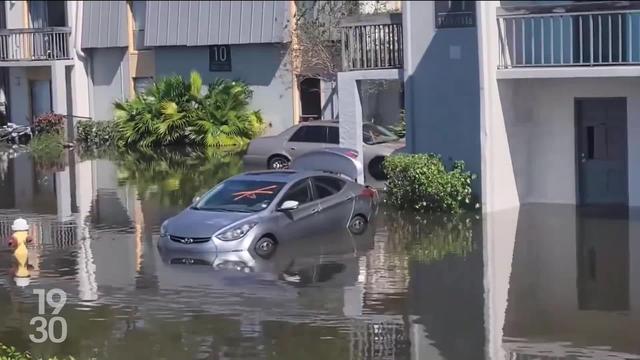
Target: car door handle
<point>292,148</point>
<point>315,211</point>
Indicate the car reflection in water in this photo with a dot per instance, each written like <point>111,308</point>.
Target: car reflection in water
<point>313,260</point>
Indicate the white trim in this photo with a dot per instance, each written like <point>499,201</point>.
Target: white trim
<point>569,72</point>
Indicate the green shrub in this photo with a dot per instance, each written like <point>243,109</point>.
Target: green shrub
<point>48,151</point>
<point>10,353</point>
<point>422,182</point>
<point>96,134</point>
<point>176,112</point>
<point>49,123</point>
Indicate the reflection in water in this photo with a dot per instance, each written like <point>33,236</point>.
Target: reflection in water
<point>571,285</point>
<point>544,282</point>
<point>603,259</point>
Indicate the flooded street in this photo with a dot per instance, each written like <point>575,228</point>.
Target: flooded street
<point>544,282</point>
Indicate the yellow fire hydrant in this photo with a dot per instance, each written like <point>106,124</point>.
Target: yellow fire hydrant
<point>19,240</point>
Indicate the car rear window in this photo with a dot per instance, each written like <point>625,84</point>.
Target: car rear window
<point>310,133</point>
<point>326,186</point>
<point>371,134</point>
<point>334,135</point>
<point>240,196</point>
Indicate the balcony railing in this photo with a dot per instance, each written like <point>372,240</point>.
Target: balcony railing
<point>372,42</point>
<point>595,38</point>
<point>34,44</point>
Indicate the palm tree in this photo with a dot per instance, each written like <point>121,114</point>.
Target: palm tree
<point>175,112</point>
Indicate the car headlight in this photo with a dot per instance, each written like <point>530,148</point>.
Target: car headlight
<point>237,232</point>
<point>163,228</point>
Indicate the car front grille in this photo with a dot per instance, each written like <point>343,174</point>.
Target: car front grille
<point>189,261</point>
<point>188,240</point>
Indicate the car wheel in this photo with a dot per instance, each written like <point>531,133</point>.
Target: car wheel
<point>278,162</point>
<point>265,247</point>
<point>357,225</point>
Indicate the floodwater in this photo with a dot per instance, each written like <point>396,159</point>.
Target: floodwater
<point>544,282</point>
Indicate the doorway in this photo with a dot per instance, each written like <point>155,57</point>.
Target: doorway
<point>310,99</point>
<point>601,139</point>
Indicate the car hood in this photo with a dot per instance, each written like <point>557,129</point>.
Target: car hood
<point>200,223</point>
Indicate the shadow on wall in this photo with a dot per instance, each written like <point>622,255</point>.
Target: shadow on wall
<point>443,96</point>
<point>517,115</point>
<point>261,66</point>
<point>255,64</point>
<point>109,82</point>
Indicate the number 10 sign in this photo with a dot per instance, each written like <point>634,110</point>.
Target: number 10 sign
<point>220,58</point>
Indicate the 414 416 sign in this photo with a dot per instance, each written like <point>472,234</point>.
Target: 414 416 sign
<point>455,14</point>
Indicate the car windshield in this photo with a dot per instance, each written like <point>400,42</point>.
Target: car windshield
<point>376,134</point>
<point>240,196</point>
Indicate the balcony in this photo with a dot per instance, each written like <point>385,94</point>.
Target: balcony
<point>35,44</point>
<point>372,42</point>
<point>578,39</point>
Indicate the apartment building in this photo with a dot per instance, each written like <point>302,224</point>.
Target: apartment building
<point>78,57</point>
<point>539,98</point>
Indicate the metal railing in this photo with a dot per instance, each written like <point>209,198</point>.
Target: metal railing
<point>373,42</point>
<point>594,38</point>
<point>45,231</point>
<point>34,44</point>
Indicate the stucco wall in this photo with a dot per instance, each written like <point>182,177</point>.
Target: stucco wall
<point>262,66</point>
<point>442,91</point>
<point>110,71</point>
<point>20,91</point>
<point>15,11</point>
<point>19,96</point>
<point>539,121</point>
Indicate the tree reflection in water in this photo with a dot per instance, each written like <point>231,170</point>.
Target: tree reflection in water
<point>173,177</point>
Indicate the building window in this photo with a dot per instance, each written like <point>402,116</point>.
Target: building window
<point>140,84</point>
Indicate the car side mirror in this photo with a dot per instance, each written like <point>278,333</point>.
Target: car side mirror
<point>195,199</point>
<point>289,205</point>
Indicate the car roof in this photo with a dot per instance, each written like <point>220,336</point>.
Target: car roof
<point>278,175</point>
<point>319,123</point>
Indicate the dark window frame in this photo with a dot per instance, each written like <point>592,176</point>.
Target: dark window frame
<point>307,128</point>
<point>318,180</point>
<point>294,187</point>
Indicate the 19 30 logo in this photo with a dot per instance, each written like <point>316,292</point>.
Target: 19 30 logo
<point>54,328</point>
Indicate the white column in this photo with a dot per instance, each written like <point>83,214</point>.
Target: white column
<point>499,190</point>
<point>58,88</point>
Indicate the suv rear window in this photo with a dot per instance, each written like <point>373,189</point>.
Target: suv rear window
<point>310,133</point>
<point>334,135</point>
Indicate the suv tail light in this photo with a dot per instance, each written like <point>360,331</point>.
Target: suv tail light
<point>369,192</point>
<point>352,154</point>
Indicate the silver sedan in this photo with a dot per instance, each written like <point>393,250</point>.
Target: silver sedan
<point>276,152</point>
<point>258,210</point>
